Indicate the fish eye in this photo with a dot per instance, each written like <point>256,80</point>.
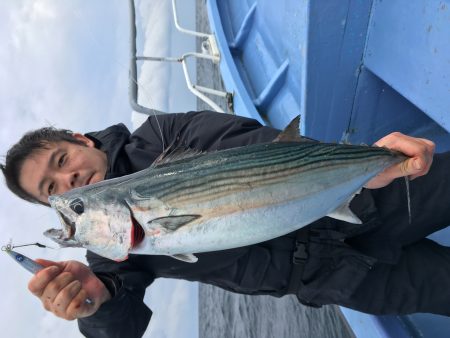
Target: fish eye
<point>77,206</point>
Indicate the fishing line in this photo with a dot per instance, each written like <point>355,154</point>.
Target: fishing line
<point>10,246</point>
<point>408,198</point>
<point>116,60</point>
<point>31,244</point>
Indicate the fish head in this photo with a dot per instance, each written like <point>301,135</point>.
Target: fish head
<point>101,225</point>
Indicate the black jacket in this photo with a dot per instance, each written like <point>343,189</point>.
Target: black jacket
<point>251,270</point>
<point>263,268</point>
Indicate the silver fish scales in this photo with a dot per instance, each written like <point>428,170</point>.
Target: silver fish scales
<point>190,202</point>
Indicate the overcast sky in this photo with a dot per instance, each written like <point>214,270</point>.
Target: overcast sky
<point>65,63</point>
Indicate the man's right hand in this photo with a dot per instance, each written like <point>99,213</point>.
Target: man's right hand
<point>63,288</point>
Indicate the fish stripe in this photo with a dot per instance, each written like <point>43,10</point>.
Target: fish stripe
<point>263,166</point>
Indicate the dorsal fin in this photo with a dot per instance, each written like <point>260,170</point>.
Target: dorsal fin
<point>292,133</point>
<point>175,152</point>
<point>172,223</point>
<point>176,155</point>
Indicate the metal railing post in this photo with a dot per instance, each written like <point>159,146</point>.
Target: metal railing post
<point>214,56</point>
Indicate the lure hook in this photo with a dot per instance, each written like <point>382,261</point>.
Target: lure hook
<point>8,247</point>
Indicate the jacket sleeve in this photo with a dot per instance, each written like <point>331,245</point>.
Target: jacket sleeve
<point>125,315</point>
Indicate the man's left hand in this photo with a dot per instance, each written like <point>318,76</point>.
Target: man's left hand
<point>419,150</point>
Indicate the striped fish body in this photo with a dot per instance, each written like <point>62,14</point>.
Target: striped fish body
<point>252,194</point>
<point>216,201</point>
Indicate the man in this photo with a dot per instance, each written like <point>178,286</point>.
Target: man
<point>381,267</point>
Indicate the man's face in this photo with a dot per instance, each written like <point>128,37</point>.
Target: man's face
<point>61,167</point>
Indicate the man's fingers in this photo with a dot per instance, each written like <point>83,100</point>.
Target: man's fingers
<point>63,288</point>
<point>410,146</point>
<point>430,143</point>
<point>412,167</point>
<point>47,263</point>
<point>40,281</point>
<point>425,168</point>
<point>404,169</point>
<point>64,298</point>
<point>417,166</point>
<point>55,287</point>
<point>420,152</point>
<point>78,307</point>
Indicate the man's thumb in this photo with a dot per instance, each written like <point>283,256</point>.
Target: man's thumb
<point>411,166</point>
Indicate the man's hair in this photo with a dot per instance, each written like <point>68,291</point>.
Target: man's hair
<point>29,144</point>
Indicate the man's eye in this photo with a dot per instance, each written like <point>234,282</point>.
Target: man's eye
<point>51,186</point>
<point>61,160</point>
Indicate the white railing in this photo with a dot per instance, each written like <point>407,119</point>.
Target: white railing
<point>210,52</point>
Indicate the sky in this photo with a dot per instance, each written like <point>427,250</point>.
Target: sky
<point>65,64</point>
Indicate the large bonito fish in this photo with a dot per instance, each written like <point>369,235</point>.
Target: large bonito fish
<point>188,202</point>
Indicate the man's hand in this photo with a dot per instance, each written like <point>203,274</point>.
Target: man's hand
<point>419,150</point>
<point>63,288</point>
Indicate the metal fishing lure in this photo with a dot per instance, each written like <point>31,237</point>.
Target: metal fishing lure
<point>28,263</point>
<point>23,261</point>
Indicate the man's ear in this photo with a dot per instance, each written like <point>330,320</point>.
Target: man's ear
<point>87,141</point>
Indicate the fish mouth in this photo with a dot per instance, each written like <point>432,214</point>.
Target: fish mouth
<point>70,228</point>
<point>137,233</point>
<point>65,236</point>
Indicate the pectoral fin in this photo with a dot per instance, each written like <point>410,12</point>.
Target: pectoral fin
<point>188,258</point>
<point>344,213</point>
<point>145,209</point>
<point>172,223</point>
<point>154,215</point>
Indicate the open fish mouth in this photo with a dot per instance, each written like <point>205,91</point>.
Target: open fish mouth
<point>64,236</point>
<point>137,233</point>
<point>69,228</point>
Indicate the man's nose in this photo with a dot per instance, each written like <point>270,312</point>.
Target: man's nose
<point>74,181</point>
<point>69,181</point>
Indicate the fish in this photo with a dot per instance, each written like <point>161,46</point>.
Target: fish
<point>29,264</point>
<point>190,201</point>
